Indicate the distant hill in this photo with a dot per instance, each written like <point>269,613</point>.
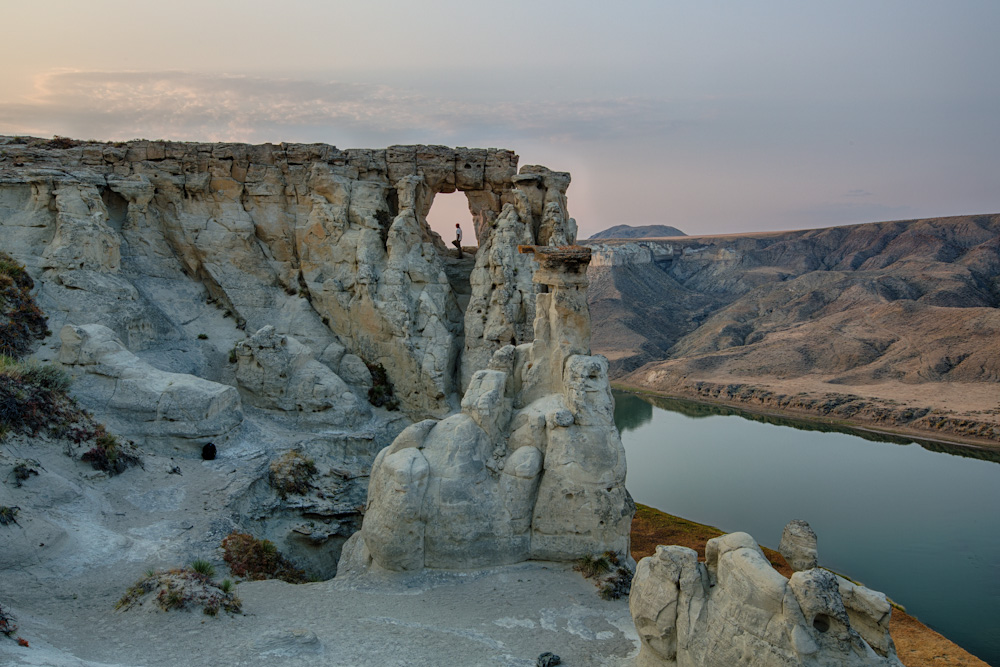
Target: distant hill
<point>643,232</point>
<point>884,309</point>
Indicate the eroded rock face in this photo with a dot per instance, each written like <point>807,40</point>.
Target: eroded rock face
<point>798,545</point>
<point>150,405</point>
<point>323,244</point>
<point>531,468</point>
<point>278,372</point>
<point>501,310</point>
<point>735,609</point>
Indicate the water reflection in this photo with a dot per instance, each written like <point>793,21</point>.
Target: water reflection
<point>637,410</point>
<point>913,521</point>
<point>631,412</point>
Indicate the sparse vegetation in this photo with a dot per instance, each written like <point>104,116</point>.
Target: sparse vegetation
<point>61,142</point>
<point>21,472</point>
<point>617,585</point>
<point>33,396</point>
<point>109,454</point>
<point>8,515</point>
<point>591,566</point>
<point>203,336</point>
<point>614,587</point>
<point>184,588</point>
<point>203,567</point>
<point>291,472</point>
<point>7,625</point>
<point>382,393</point>
<point>256,560</point>
<point>232,356</point>
<point>21,321</point>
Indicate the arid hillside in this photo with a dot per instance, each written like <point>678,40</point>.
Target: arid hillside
<point>895,324</point>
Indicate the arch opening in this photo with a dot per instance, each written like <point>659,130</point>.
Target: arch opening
<point>447,210</point>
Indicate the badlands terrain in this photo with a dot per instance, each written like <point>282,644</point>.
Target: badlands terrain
<point>892,325</point>
<point>205,343</point>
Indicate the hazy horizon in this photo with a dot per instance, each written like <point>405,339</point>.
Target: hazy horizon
<point>712,118</point>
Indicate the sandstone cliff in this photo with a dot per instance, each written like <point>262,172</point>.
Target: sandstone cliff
<point>328,246</point>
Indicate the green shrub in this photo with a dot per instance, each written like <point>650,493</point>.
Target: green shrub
<point>109,455</point>
<point>203,567</point>
<point>22,472</point>
<point>181,589</point>
<point>591,566</point>
<point>618,585</point>
<point>256,559</point>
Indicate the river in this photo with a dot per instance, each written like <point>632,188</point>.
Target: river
<point>923,526</point>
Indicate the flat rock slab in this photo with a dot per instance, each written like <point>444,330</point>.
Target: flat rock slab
<point>501,616</point>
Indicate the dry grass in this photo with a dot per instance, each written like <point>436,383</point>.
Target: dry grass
<point>916,644</point>
<point>255,559</point>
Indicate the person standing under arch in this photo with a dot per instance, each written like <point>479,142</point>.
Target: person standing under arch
<point>458,239</point>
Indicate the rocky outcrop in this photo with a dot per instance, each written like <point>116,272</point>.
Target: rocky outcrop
<point>798,545</point>
<point>531,468</point>
<point>501,308</point>
<point>322,244</point>
<point>278,372</point>
<point>735,609</point>
<point>158,408</point>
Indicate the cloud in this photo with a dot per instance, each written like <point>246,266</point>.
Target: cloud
<point>212,107</point>
<point>857,193</point>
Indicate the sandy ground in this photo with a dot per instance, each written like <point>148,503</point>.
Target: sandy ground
<point>503,616</point>
<point>82,539</point>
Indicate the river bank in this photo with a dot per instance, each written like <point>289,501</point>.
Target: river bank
<point>916,644</point>
<point>951,415</point>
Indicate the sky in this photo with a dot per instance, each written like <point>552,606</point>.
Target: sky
<point>712,116</point>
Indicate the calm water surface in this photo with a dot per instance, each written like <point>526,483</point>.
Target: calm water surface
<point>922,526</point>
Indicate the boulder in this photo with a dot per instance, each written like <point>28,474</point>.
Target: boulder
<point>277,372</point>
<point>531,468</point>
<point>798,545</point>
<point>153,407</point>
<point>735,609</point>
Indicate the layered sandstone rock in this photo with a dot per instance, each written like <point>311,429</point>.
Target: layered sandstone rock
<point>502,305</point>
<point>531,468</point>
<point>322,244</point>
<point>735,609</point>
<point>278,372</point>
<point>158,408</point>
<point>798,545</point>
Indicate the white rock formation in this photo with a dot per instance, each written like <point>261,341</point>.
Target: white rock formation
<point>276,371</point>
<point>735,609</point>
<point>325,245</point>
<point>501,309</point>
<point>154,406</point>
<point>531,468</point>
<point>798,545</point>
